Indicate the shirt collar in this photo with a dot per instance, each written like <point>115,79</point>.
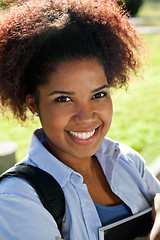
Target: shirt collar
<point>108,155</point>
<point>43,159</point>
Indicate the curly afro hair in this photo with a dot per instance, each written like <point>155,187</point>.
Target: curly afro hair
<point>35,35</point>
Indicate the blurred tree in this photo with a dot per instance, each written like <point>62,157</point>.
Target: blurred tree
<point>6,3</point>
<point>132,6</point>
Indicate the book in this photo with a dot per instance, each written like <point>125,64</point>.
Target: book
<point>134,227</point>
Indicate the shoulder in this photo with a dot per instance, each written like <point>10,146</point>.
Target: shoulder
<point>121,153</point>
<point>131,156</point>
<point>18,187</point>
<point>20,204</point>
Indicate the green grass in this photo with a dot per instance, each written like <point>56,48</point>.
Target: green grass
<point>12,130</point>
<point>137,112</point>
<point>150,9</point>
<point>150,12</point>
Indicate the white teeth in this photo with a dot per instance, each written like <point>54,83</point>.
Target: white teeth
<point>82,135</point>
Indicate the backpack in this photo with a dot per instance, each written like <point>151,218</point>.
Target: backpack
<point>47,188</point>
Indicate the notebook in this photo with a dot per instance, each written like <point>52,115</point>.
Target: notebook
<point>135,227</point>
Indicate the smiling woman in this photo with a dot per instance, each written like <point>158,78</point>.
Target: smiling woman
<point>75,109</point>
<point>60,59</point>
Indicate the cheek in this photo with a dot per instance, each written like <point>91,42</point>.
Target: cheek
<point>107,111</point>
<point>53,119</point>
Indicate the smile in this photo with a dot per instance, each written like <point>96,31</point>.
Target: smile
<point>82,135</point>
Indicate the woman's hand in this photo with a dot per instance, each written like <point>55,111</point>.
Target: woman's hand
<point>155,232</point>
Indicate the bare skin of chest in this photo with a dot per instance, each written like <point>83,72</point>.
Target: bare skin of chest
<point>98,186</point>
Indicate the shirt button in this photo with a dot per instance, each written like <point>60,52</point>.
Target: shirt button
<point>135,210</point>
<point>77,179</point>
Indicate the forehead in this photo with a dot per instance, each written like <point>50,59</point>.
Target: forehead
<point>83,63</point>
<point>78,72</point>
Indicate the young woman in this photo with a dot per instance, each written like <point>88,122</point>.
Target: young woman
<point>59,59</point>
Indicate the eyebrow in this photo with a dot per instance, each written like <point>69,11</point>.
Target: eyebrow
<point>62,92</point>
<point>73,93</point>
<point>100,88</point>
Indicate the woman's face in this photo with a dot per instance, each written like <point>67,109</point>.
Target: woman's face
<point>75,108</point>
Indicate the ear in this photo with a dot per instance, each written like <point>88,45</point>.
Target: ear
<point>31,103</point>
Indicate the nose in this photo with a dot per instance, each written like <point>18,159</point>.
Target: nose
<point>85,114</point>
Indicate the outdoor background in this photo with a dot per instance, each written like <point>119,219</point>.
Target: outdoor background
<point>136,119</point>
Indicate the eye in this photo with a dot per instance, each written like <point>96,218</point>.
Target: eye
<point>62,99</point>
<point>100,95</point>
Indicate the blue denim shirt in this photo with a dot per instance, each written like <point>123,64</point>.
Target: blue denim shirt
<point>22,215</point>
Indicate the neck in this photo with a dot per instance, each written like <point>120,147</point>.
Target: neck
<point>83,166</point>
<point>80,165</point>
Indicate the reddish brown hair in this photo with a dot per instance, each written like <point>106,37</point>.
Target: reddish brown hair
<point>35,35</point>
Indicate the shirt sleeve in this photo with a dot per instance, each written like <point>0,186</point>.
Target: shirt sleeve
<point>152,183</point>
<point>22,214</point>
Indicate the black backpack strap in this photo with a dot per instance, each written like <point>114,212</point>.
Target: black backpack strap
<point>48,189</point>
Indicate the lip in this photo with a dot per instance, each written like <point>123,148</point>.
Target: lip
<point>84,141</point>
